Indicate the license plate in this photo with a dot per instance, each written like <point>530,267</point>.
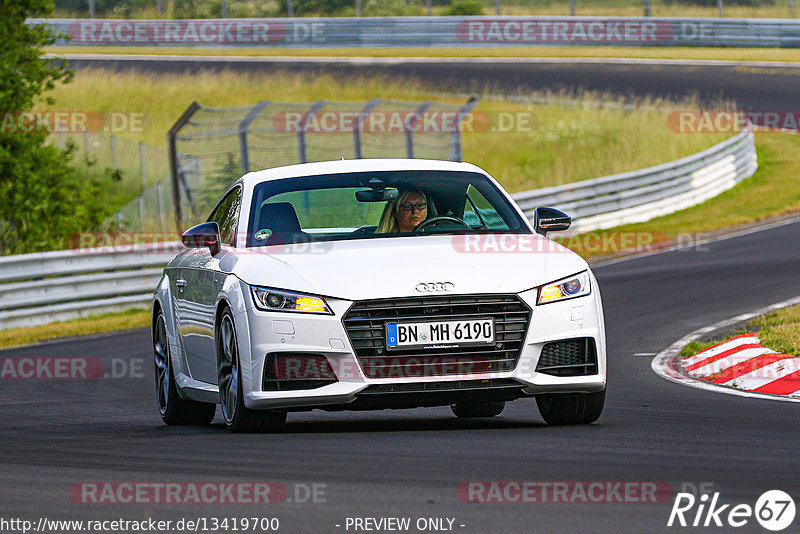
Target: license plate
<point>440,334</point>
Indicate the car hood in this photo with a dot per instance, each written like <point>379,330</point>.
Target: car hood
<point>394,267</point>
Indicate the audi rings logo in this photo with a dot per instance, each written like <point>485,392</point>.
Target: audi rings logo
<point>435,287</point>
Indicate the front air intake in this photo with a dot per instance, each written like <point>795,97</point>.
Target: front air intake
<point>571,357</point>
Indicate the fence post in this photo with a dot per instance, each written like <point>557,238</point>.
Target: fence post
<point>362,115</point>
<point>719,6</point>
<point>114,161</point>
<point>160,191</point>
<point>244,125</point>
<point>92,9</point>
<point>572,8</point>
<point>62,140</point>
<point>160,6</point>
<point>301,135</point>
<point>455,145</point>
<point>143,165</point>
<point>647,12</point>
<point>358,8</point>
<point>290,8</point>
<point>497,6</point>
<point>87,146</point>
<point>224,9</point>
<point>429,7</point>
<point>141,213</point>
<point>794,12</point>
<point>173,160</point>
<point>409,124</point>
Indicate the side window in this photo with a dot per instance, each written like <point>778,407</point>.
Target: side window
<point>478,212</point>
<point>226,215</point>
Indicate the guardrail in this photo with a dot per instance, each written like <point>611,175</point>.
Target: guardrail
<point>641,195</point>
<point>430,31</point>
<point>45,287</point>
<point>54,286</point>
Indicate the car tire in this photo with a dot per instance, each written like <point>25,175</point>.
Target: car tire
<point>238,417</point>
<point>173,409</point>
<point>571,409</point>
<point>477,409</point>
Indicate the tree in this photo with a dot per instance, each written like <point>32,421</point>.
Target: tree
<point>43,200</point>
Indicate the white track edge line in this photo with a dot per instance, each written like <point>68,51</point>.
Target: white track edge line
<point>661,363</point>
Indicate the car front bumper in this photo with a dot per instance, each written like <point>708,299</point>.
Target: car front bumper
<point>265,332</point>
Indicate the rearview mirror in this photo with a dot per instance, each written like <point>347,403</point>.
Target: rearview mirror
<point>377,195</point>
<point>550,220</point>
<point>203,235</point>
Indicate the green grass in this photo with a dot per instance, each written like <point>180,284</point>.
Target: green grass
<point>687,53</point>
<point>779,330</point>
<point>562,142</point>
<point>631,8</point>
<point>93,324</point>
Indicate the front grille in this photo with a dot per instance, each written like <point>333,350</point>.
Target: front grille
<point>365,322</point>
<point>572,357</point>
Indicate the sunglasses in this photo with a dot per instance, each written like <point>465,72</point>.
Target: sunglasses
<point>419,206</point>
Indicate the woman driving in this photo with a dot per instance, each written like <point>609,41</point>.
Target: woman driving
<point>404,213</point>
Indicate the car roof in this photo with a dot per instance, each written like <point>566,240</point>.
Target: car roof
<point>355,165</point>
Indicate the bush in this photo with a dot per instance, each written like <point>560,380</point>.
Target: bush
<point>464,8</point>
<point>45,201</point>
<point>391,8</point>
<point>316,7</point>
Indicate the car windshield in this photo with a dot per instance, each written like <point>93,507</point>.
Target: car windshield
<point>378,204</point>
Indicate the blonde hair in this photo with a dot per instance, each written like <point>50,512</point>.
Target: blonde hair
<point>388,224</point>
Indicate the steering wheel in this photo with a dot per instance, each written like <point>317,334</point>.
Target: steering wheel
<point>429,223</point>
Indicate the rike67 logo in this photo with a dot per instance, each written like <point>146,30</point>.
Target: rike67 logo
<point>774,510</point>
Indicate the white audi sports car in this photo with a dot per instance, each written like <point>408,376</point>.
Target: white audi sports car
<point>305,290</point>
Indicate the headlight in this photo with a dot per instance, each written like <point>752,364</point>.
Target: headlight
<point>278,300</point>
<point>568,288</point>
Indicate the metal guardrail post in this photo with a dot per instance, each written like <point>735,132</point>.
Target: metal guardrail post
<point>92,9</point>
<point>173,161</point>
<point>301,135</point>
<point>358,8</point>
<point>362,115</point>
<point>409,124</point>
<point>244,125</point>
<point>719,6</point>
<point>572,8</point>
<point>647,10</point>
<point>290,8</point>
<point>455,143</point>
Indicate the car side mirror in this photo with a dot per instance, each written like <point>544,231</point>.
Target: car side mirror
<point>203,235</point>
<point>550,220</point>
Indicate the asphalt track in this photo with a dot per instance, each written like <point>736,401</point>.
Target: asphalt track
<point>755,87</point>
<point>56,433</point>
